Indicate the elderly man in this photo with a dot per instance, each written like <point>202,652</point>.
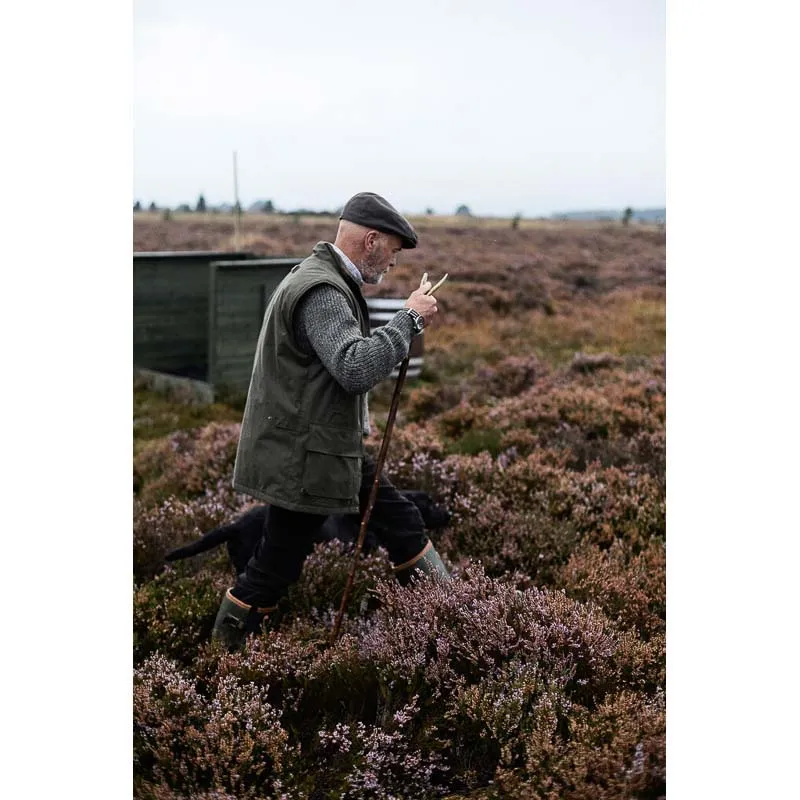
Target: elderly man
<point>301,445</point>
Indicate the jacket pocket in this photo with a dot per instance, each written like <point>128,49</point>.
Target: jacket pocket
<point>332,465</point>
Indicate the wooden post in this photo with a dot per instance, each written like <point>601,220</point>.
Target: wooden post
<point>237,209</point>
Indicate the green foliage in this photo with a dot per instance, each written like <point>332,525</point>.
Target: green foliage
<point>157,414</point>
<point>174,612</point>
<point>476,441</point>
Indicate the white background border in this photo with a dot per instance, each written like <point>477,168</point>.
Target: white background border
<point>732,160</point>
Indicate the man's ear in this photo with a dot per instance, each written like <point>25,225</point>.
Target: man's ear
<point>370,240</point>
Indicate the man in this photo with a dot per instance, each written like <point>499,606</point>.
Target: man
<point>301,445</point>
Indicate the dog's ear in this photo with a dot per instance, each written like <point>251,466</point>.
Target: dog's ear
<point>434,516</point>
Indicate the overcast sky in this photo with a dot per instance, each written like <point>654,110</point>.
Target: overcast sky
<point>508,106</point>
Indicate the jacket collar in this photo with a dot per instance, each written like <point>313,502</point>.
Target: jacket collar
<point>352,269</point>
<point>327,252</point>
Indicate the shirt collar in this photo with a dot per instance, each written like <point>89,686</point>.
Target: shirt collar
<point>349,266</point>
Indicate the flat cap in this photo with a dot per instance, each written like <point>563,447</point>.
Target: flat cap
<point>372,211</point>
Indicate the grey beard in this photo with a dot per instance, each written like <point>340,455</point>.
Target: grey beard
<point>367,273</point>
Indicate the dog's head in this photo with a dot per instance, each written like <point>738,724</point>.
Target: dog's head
<point>434,516</point>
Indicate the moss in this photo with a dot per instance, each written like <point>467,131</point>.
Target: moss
<point>156,414</point>
<point>477,441</point>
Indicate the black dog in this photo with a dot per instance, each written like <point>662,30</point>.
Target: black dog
<point>243,534</point>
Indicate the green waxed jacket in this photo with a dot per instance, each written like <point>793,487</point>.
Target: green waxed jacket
<point>301,443</point>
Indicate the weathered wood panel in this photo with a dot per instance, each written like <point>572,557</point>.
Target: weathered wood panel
<point>240,295</point>
<point>170,310</point>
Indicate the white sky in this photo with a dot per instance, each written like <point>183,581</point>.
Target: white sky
<point>504,105</point>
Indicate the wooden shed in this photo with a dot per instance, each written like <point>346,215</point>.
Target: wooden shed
<point>171,295</point>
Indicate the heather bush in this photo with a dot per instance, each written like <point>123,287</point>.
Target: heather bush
<point>615,750</point>
<point>452,680</point>
<point>372,761</point>
<point>174,612</point>
<point>640,665</point>
<point>230,742</point>
<point>423,402</point>
<point>492,719</point>
<point>318,592</point>
<point>590,362</point>
<point>279,661</point>
<point>599,504</point>
<point>509,377</point>
<point>630,588</point>
<point>508,540</point>
<point>478,440</point>
<point>415,460</point>
<point>603,503</point>
<point>622,407</point>
<point>429,639</point>
<point>614,420</point>
<point>159,792</point>
<point>467,295</point>
<point>186,463</point>
<point>160,528</point>
<point>461,419</point>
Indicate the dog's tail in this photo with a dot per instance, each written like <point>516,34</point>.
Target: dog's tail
<point>206,542</point>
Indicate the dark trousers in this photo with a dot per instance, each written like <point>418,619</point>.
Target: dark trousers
<point>288,539</point>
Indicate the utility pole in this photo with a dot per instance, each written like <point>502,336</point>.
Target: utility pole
<point>237,209</point>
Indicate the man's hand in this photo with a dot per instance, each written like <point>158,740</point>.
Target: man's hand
<point>424,305</point>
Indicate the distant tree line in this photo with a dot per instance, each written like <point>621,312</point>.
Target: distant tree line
<point>269,207</point>
<point>258,207</point>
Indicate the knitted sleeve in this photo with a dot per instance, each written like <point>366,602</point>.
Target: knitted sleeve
<point>325,324</point>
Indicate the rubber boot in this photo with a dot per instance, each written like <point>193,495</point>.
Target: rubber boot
<point>236,620</point>
<point>426,562</point>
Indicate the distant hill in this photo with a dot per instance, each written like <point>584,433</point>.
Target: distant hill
<point>644,214</point>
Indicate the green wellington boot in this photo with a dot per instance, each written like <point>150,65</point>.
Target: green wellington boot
<point>236,620</point>
<point>427,562</point>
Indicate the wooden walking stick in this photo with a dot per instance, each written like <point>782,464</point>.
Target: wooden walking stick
<point>387,435</point>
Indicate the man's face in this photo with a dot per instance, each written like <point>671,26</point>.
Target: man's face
<point>381,255</point>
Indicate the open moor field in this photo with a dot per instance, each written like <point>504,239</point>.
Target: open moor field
<point>539,421</point>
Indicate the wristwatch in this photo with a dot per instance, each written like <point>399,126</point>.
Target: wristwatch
<point>417,319</point>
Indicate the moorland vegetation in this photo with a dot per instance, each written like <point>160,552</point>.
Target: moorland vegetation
<point>539,422</point>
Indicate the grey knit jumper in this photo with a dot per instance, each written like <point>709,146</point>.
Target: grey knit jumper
<point>325,325</point>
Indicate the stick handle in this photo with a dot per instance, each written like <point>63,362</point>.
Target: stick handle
<point>434,288</point>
